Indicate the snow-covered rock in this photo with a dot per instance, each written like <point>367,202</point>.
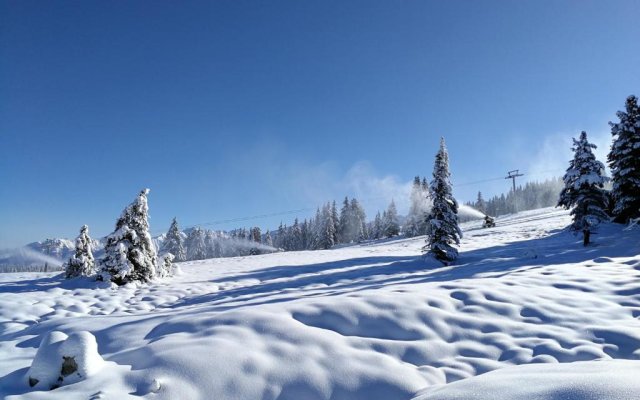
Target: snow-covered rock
<point>63,360</point>
<point>45,369</point>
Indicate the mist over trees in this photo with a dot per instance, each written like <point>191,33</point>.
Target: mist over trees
<point>529,196</point>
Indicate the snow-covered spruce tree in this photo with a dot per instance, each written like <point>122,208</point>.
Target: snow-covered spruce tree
<point>174,242</point>
<point>583,188</point>
<point>624,160</point>
<point>481,205</point>
<point>267,239</point>
<point>326,228</point>
<point>196,244</point>
<point>442,228</point>
<point>129,253</point>
<point>81,262</point>
<point>390,222</point>
<point>377,227</point>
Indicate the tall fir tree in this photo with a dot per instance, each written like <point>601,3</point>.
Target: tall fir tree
<point>210,244</point>
<point>196,244</point>
<point>336,222</point>
<point>129,253</point>
<point>390,222</point>
<point>326,231</point>
<point>344,236</point>
<point>267,239</point>
<point>480,204</point>
<point>81,262</point>
<point>174,242</point>
<point>377,226</point>
<point>624,161</point>
<point>443,232</point>
<point>358,218</point>
<point>583,190</point>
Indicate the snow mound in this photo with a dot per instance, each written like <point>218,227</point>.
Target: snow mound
<point>63,360</point>
<point>45,368</point>
<point>587,380</point>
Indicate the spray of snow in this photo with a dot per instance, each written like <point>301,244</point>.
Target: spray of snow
<point>470,212</point>
<point>26,256</point>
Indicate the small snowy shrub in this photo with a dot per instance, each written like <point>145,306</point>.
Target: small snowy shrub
<point>82,262</point>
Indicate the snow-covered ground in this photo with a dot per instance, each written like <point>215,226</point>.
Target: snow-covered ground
<point>374,321</point>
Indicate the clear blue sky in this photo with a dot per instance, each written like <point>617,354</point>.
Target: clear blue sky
<point>236,108</point>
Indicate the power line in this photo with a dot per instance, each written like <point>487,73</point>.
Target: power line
<point>299,210</point>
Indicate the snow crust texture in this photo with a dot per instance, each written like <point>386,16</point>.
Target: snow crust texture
<point>371,321</point>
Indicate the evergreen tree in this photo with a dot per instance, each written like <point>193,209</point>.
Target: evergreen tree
<point>443,231</point>
<point>166,267</point>
<point>327,228</point>
<point>390,223</point>
<point>196,245</point>
<point>344,236</point>
<point>481,205</point>
<point>377,226</point>
<point>256,234</point>
<point>210,244</point>
<point>356,222</point>
<point>280,237</point>
<point>336,222</point>
<point>81,262</point>
<point>174,243</point>
<point>583,190</point>
<point>267,239</point>
<point>296,236</point>
<point>624,160</point>
<point>306,235</point>
<point>129,253</point>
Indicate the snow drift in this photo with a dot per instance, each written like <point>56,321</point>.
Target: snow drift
<point>373,321</point>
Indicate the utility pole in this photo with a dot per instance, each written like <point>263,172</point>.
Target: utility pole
<point>513,175</point>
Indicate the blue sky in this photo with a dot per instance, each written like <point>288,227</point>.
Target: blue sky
<point>236,108</point>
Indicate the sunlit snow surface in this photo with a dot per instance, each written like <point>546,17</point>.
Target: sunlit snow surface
<point>373,321</point>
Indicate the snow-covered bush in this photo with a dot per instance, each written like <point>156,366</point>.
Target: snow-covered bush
<point>81,263</point>
<point>166,265</point>
<point>63,360</point>
<point>129,253</point>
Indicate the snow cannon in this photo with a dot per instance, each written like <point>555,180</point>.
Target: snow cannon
<point>489,222</point>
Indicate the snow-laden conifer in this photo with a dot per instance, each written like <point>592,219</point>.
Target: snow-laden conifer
<point>174,242</point>
<point>166,265</point>
<point>583,191</point>
<point>129,252</point>
<point>81,262</point>
<point>624,161</point>
<point>196,244</point>
<point>390,222</point>
<point>443,232</point>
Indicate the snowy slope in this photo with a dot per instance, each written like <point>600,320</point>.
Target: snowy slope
<point>374,321</point>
